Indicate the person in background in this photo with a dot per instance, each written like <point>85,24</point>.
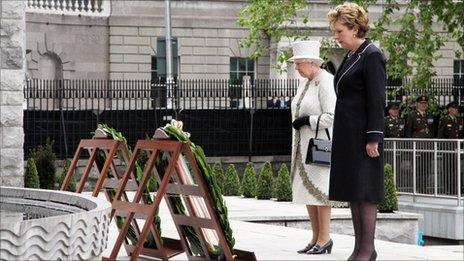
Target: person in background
<point>418,123</point>
<point>357,171</point>
<point>315,99</point>
<point>270,102</point>
<point>283,104</point>
<point>394,125</point>
<point>288,102</point>
<point>448,128</point>
<point>276,102</point>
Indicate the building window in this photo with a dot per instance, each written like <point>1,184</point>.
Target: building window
<point>459,68</point>
<point>458,73</point>
<point>154,71</point>
<point>158,62</point>
<point>240,67</point>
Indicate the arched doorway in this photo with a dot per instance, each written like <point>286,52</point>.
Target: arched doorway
<point>50,67</point>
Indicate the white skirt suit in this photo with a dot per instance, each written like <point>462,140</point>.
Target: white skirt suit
<point>311,182</point>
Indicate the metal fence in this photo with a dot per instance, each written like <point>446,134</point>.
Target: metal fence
<point>225,118</point>
<point>427,167</point>
<point>443,89</point>
<point>144,94</point>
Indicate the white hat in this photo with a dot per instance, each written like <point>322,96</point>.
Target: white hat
<point>306,50</point>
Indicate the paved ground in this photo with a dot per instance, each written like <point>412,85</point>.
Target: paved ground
<point>280,243</point>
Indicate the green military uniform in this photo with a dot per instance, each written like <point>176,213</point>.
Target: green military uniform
<point>394,127</point>
<point>448,127</point>
<point>417,126</point>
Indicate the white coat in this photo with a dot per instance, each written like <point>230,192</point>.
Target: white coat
<point>313,98</point>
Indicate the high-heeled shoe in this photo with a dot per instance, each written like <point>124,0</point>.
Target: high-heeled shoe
<point>373,256</point>
<point>317,249</point>
<point>306,249</point>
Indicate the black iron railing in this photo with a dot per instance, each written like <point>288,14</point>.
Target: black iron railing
<point>226,119</point>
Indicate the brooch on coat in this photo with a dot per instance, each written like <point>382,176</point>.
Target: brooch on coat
<point>317,83</point>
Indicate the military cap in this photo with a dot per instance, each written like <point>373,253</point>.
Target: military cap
<point>422,98</point>
<point>393,106</point>
<point>453,104</point>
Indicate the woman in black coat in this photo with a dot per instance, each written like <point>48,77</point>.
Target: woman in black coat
<point>357,174</point>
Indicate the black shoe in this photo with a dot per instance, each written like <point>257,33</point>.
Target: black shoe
<point>306,249</point>
<point>316,250</point>
<point>373,256</point>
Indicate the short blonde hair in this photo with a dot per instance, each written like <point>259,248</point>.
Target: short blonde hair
<point>350,15</point>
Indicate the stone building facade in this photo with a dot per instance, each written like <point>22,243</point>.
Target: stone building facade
<point>12,46</point>
<point>67,46</point>
<point>206,32</point>
<point>128,42</point>
<point>125,40</point>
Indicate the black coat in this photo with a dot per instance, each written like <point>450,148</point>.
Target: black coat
<point>360,87</point>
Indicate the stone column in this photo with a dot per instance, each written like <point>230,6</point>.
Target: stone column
<point>12,79</point>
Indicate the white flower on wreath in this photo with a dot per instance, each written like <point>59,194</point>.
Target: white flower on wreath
<point>179,125</point>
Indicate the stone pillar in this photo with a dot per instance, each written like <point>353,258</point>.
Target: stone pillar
<point>12,79</point>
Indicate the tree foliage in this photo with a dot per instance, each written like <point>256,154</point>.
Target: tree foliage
<point>72,185</point>
<point>271,19</point>
<point>44,158</point>
<point>249,181</point>
<point>218,173</point>
<point>390,203</point>
<point>406,30</point>
<point>232,182</point>
<point>283,184</point>
<point>265,182</point>
<point>31,177</point>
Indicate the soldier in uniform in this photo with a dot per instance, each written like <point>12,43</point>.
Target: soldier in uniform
<point>449,128</point>
<point>449,125</point>
<point>394,125</point>
<point>418,124</point>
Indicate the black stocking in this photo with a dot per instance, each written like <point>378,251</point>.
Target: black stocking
<point>368,215</point>
<point>356,217</point>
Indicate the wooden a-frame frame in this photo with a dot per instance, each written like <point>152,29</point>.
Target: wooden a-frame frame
<point>171,185</point>
<point>110,148</point>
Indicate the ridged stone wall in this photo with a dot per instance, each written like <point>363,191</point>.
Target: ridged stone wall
<point>80,233</point>
<point>12,49</point>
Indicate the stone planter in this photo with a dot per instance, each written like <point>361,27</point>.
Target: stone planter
<point>52,225</point>
<point>400,227</point>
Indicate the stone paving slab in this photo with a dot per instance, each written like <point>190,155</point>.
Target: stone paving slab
<point>281,243</point>
<point>246,209</point>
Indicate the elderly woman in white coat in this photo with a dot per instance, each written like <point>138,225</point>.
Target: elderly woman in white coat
<point>315,98</point>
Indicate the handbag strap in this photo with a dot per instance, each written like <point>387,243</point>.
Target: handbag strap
<point>317,127</point>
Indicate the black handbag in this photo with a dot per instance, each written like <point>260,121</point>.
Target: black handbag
<point>319,151</point>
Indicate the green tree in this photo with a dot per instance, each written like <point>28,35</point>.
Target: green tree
<point>249,181</point>
<point>218,174</point>
<point>390,203</point>
<point>62,176</point>
<point>414,37</point>
<point>232,182</point>
<point>404,30</point>
<point>283,186</point>
<point>265,182</point>
<point>271,19</point>
<point>45,161</point>
<point>31,177</point>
